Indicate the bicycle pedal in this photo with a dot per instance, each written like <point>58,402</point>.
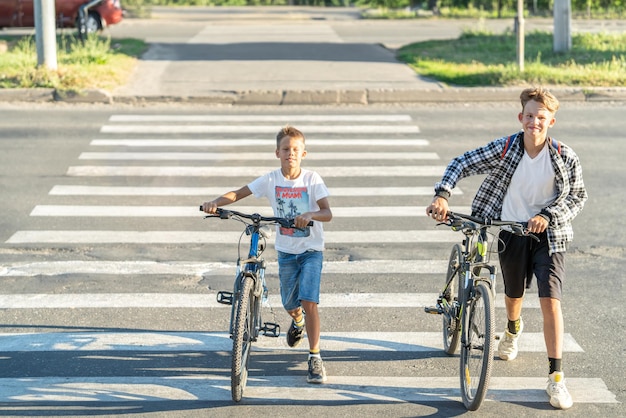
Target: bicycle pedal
<point>434,310</point>
<point>271,329</point>
<point>225,298</point>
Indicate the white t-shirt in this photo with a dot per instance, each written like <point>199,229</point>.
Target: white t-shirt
<point>288,199</point>
<point>532,188</point>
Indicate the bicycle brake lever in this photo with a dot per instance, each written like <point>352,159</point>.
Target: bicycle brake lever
<point>533,236</point>
<point>520,230</point>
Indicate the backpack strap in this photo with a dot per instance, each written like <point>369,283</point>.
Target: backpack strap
<point>556,145</point>
<point>506,147</point>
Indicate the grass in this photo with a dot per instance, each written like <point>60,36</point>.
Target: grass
<point>98,63</point>
<point>480,58</point>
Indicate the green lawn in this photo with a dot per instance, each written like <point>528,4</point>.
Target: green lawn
<point>98,63</point>
<point>487,59</point>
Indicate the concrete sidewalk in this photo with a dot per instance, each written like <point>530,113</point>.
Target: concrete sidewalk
<point>287,57</point>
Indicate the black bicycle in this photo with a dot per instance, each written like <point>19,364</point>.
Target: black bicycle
<point>467,303</point>
<point>248,294</point>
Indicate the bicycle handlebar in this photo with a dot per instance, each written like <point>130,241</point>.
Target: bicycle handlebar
<point>459,220</point>
<point>255,217</point>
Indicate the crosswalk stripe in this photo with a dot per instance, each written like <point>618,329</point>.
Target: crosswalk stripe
<point>258,129</point>
<point>282,389</point>
<point>251,156</point>
<point>70,190</point>
<point>411,342</point>
<point>222,237</point>
<point>186,211</point>
<point>184,300</point>
<point>47,268</point>
<point>246,142</point>
<point>248,171</point>
<point>262,118</point>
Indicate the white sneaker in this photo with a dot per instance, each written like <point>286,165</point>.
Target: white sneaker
<point>559,396</point>
<point>507,348</point>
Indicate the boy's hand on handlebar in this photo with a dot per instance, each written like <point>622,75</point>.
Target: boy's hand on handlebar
<point>303,220</point>
<point>209,207</point>
<point>438,209</point>
<point>537,224</point>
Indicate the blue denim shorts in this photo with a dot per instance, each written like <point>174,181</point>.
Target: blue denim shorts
<point>300,276</point>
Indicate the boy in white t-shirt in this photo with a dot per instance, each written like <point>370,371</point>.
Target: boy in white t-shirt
<point>300,194</point>
<point>529,180</point>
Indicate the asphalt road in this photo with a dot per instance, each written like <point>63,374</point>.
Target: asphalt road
<point>86,373</point>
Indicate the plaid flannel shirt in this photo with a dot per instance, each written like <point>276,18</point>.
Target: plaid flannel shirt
<point>571,193</point>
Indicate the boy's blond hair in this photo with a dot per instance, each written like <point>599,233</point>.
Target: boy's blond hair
<point>541,95</point>
<point>290,132</point>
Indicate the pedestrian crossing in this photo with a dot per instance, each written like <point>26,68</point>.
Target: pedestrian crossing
<point>194,157</point>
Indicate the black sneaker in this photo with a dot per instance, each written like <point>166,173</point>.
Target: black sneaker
<point>317,372</point>
<point>294,335</point>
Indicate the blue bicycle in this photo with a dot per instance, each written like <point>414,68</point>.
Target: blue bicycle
<point>248,293</point>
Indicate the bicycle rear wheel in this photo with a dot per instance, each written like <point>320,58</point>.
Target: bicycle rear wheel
<point>242,338</point>
<point>452,294</point>
<point>477,352</point>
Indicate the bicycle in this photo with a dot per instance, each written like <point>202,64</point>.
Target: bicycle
<point>249,293</point>
<point>467,301</point>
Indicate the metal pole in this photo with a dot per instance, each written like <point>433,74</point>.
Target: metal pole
<point>45,33</point>
<point>562,25</point>
<point>519,24</point>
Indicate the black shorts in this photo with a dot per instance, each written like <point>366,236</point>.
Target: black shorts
<point>521,257</point>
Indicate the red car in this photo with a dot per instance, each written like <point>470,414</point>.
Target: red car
<point>102,13</point>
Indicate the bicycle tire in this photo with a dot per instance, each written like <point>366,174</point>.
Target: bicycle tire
<point>242,338</point>
<point>477,352</point>
<point>451,324</point>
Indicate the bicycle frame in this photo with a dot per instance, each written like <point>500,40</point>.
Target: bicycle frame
<point>254,268</point>
<point>248,291</point>
<point>470,318</point>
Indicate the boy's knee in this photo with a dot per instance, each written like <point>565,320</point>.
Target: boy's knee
<point>295,312</point>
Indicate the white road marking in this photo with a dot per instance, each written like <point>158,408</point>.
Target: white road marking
<point>257,129</point>
<point>220,341</point>
<point>70,190</point>
<point>222,237</point>
<point>254,156</point>
<point>187,211</point>
<point>194,300</point>
<point>282,389</point>
<point>261,118</point>
<point>47,268</point>
<point>248,171</point>
<point>247,142</point>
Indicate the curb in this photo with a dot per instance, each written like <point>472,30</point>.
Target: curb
<point>314,97</point>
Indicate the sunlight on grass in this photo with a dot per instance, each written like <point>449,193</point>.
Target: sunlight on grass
<point>480,58</point>
<point>95,64</point>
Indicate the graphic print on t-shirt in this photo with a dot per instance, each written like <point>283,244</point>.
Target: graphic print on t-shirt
<point>291,202</point>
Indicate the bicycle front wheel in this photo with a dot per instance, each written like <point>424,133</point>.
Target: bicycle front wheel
<point>477,351</point>
<point>242,338</point>
<point>451,295</point>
